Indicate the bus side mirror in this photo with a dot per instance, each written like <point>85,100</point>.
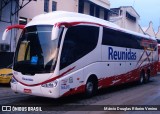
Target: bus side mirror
<point>56,29</point>
<point>5,33</point>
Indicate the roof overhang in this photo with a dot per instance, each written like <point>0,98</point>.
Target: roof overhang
<point>103,3</point>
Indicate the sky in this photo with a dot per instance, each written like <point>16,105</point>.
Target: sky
<point>149,10</point>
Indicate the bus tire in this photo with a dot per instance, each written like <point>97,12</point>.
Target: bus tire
<point>142,77</point>
<point>91,87</point>
<point>147,77</point>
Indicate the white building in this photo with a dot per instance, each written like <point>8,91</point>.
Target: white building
<point>126,17</point>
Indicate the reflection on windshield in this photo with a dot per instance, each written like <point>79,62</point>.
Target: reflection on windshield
<point>36,52</point>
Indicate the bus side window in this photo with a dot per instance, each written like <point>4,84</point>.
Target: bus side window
<point>120,39</point>
<point>79,41</point>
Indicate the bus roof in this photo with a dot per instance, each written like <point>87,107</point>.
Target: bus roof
<point>62,16</point>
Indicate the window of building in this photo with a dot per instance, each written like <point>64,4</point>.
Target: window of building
<point>101,13</point>
<point>22,20</point>
<point>121,12</point>
<point>130,17</point>
<point>79,41</point>
<point>91,9</point>
<point>106,13</point>
<point>97,11</point>
<point>46,5</point>
<point>54,6</point>
<point>81,6</point>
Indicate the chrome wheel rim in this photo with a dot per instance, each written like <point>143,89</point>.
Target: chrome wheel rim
<point>90,87</point>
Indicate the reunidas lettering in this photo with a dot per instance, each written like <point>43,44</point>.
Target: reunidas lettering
<point>121,55</point>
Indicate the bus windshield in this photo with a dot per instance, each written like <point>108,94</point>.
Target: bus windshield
<point>36,52</point>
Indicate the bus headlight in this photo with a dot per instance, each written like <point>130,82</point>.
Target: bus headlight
<point>50,84</point>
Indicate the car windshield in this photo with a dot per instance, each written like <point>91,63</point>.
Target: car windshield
<point>36,52</point>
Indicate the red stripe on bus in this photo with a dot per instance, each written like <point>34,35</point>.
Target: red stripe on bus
<point>47,81</point>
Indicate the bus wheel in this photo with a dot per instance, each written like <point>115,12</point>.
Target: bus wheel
<point>91,87</point>
<point>147,77</point>
<point>142,78</point>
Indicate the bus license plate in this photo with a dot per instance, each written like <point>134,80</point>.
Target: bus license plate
<point>27,91</point>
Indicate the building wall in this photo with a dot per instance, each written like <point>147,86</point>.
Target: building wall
<point>32,9</point>
<point>124,22</point>
<point>6,19</point>
<point>35,8</point>
<point>7,47</point>
<point>102,3</point>
<point>67,5</point>
<point>91,7</point>
<point>130,24</point>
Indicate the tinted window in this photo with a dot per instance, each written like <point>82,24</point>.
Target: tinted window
<point>120,39</point>
<point>79,41</point>
<point>36,52</point>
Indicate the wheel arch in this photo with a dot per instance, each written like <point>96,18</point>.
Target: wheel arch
<point>91,76</point>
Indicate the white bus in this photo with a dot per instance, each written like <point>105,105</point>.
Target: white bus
<point>63,53</point>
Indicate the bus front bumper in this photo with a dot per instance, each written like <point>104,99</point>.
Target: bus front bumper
<point>35,90</point>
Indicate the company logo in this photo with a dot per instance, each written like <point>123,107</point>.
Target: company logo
<point>6,108</point>
<point>27,79</point>
<point>20,108</point>
<point>121,55</point>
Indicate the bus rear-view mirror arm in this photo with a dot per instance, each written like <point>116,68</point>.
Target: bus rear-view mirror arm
<point>5,33</point>
<point>55,32</point>
<point>56,29</point>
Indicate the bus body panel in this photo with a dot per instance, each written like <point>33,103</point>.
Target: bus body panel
<point>69,83</point>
